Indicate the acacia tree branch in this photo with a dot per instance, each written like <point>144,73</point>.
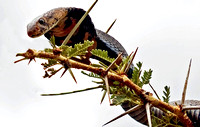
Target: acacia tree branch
<point>145,96</point>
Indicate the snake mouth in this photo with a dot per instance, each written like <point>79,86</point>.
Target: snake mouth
<point>33,32</point>
<point>33,36</point>
<point>30,34</point>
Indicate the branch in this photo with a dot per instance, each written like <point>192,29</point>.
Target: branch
<point>55,94</point>
<point>123,79</point>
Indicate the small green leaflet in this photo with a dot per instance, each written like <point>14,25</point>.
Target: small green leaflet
<point>102,54</point>
<point>78,50</point>
<point>52,42</point>
<point>137,78</point>
<point>166,94</point>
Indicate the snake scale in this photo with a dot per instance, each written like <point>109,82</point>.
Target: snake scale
<point>60,21</point>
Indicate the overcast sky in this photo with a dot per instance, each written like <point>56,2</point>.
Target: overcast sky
<point>166,32</point>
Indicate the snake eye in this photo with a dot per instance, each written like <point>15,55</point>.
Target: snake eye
<point>41,21</point>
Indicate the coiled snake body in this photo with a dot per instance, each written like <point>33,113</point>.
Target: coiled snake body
<point>60,21</point>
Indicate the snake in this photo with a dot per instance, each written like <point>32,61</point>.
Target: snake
<point>58,22</point>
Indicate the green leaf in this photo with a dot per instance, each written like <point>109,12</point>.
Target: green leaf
<point>102,54</point>
<point>52,42</point>
<point>118,100</point>
<point>137,78</point>
<point>122,94</point>
<point>146,77</point>
<point>166,120</point>
<point>91,74</point>
<point>79,49</point>
<point>96,65</point>
<point>65,50</point>
<point>136,74</point>
<point>166,92</point>
<point>103,64</point>
<point>124,63</point>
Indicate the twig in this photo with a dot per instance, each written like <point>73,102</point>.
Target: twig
<point>55,94</point>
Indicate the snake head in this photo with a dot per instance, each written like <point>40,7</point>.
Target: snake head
<point>45,22</point>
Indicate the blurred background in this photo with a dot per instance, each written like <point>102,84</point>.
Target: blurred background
<point>166,32</point>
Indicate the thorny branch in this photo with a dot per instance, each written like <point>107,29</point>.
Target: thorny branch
<point>145,96</point>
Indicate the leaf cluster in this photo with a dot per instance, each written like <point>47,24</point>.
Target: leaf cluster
<point>52,42</point>
<point>79,49</point>
<point>121,94</point>
<point>103,55</point>
<point>91,74</point>
<point>166,120</point>
<point>166,93</point>
<point>137,78</point>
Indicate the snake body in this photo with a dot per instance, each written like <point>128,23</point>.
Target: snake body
<point>60,21</point>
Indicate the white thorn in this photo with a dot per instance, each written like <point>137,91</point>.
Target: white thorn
<point>147,106</point>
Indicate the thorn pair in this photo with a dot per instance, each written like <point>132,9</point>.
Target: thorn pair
<point>70,71</point>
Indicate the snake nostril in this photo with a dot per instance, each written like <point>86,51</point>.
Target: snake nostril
<point>30,33</point>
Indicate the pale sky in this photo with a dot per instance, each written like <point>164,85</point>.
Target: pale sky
<point>166,32</point>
